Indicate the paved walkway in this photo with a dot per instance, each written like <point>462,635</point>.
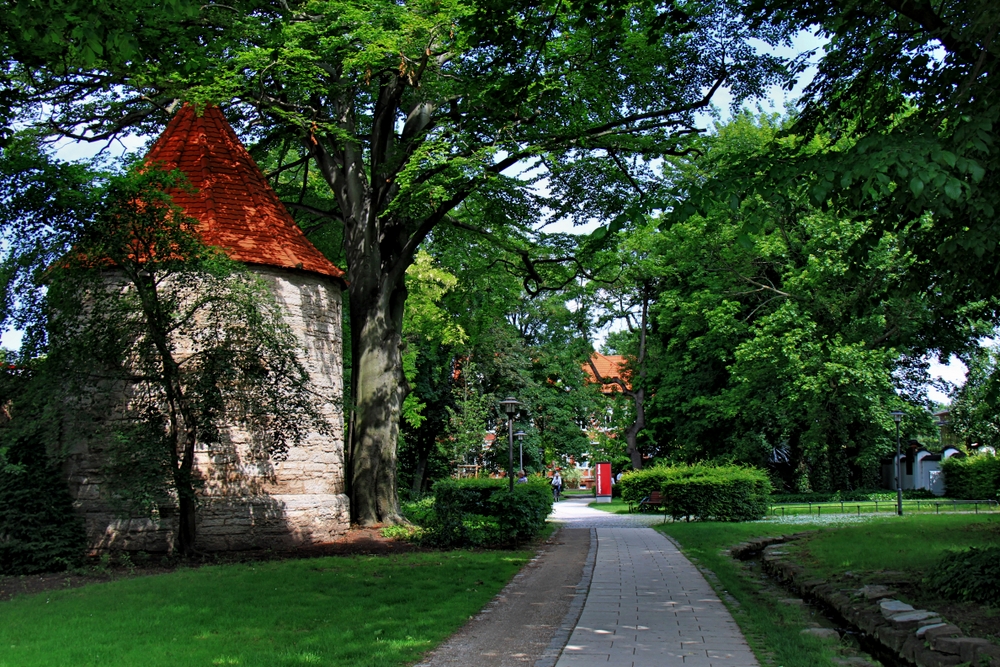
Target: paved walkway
<point>647,605</point>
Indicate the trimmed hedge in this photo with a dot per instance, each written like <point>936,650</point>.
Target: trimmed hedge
<point>484,512</point>
<point>973,477</point>
<point>720,493</point>
<point>972,575</point>
<point>637,484</point>
<point>723,493</point>
<point>859,495</point>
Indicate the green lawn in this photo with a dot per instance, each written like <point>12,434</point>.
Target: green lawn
<point>909,544</point>
<point>616,506</point>
<point>364,611</point>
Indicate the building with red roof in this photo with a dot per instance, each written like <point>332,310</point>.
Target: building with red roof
<point>294,502</point>
<point>610,367</point>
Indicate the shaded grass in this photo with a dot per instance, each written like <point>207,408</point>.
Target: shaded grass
<point>362,610</point>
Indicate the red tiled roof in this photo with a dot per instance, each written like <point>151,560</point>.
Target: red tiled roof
<point>609,366</point>
<point>235,207</point>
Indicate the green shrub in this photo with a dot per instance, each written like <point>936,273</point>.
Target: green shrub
<point>484,512</point>
<point>858,495</point>
<point>972,478</point>
<point>38,530</point>
<point>403,533</point>
<point>638,484</point>
<point>720,493</point>
<point>419,512</point>
<point>723,493</point>
<point>971,576</point>
<point>521,514</point>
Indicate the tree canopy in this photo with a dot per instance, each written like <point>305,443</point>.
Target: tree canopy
<point>407,112</point>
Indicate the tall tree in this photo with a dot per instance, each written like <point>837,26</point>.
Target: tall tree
<point>777,345</point>
<point>625,302</point>
<point>407,110</point>
<point>908,92</point>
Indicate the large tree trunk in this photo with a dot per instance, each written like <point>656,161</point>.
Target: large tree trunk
<point>379,390</point>
<point>379,247</point>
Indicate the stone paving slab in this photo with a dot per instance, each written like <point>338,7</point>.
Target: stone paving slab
<point>647,605</point>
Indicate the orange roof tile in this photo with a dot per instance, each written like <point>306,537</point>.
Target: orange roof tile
<point>609,366</point>
<point>235,207</point>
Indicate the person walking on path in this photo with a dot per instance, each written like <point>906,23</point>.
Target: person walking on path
<point>556,486</point>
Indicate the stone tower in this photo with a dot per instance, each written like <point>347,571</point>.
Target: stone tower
<point>301,500</point>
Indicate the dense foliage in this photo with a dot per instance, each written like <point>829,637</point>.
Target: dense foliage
<point>972,478</point>
<point>973,416</point>
<point>908,92</point>
<point>972,575</point>
<point>473,342</point>
<point>776,346</point>
<point>484,512</point>
<point>639,484</point>
<point>39,531</point>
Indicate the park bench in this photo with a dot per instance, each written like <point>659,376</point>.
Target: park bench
<point>654,500</point>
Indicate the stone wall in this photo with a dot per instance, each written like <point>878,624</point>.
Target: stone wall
<point>247,502</point>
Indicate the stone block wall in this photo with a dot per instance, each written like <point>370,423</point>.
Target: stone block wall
<point>249,503</point>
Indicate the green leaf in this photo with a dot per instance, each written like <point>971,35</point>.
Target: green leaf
<point>916,186</point>
<point>953,188</point>
<point>976,171</point>
<point>944,157</point>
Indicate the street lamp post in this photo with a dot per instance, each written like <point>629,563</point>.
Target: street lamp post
<point>520,446</point>
<point>510,407</point>
<point>897,415</point>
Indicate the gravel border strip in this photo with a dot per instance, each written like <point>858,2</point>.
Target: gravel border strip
<point>562,635</point>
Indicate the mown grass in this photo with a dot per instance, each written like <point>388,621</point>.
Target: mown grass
<point>364,611</point>
<point>910,544</point>
<point>616,506</point>
<point>866,508</point>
